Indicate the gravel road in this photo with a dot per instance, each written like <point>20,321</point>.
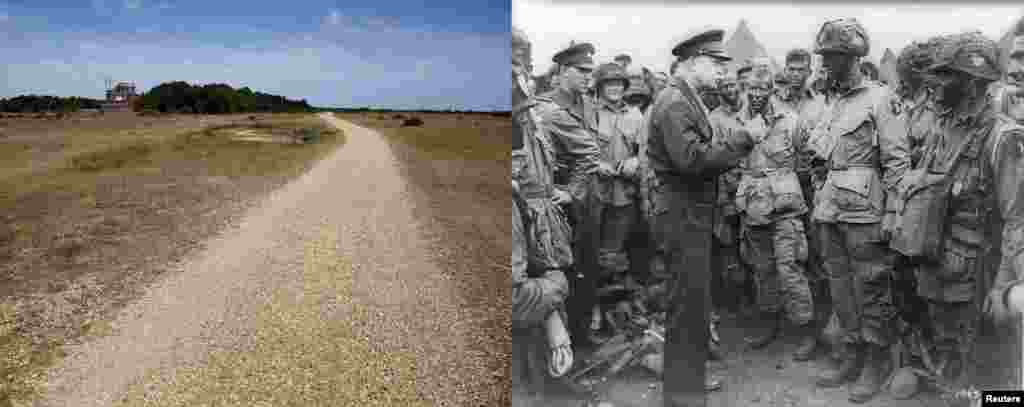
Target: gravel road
<point>211,303</point>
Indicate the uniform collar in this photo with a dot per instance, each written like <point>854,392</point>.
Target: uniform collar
<point>567,100</point>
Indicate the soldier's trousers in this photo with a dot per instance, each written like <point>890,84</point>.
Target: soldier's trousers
<point>860,266</point>
<point>617,226</point>
<point>777,253</point>
<point>952,291</point>
<point>688,259</point>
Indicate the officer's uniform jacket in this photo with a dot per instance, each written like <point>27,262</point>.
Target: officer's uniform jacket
<point>769,189</point>
<point>865,144</point>
<point>617,137</point>
<point>569,126</point>
<point>682,154</point>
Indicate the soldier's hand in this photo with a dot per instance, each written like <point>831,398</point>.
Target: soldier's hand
<point>605,170</point>
<point>629,167</point>
<point>890,221</point>
<point>561,197</point>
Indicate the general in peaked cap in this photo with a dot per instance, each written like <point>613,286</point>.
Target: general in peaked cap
<point>579,55</point>
<point>704,42</point>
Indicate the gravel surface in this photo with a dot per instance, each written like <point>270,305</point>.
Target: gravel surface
<point>213,303</point>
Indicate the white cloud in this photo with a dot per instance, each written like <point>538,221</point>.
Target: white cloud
<point>132,4</point>
<point>648,32</point>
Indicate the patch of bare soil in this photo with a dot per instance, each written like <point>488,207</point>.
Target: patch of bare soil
<point>464,206</point>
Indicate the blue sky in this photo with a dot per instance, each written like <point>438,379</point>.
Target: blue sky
<point>397,54</point>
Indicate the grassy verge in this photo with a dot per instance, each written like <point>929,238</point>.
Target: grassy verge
<point>111,176</point>
<point>299,357</point>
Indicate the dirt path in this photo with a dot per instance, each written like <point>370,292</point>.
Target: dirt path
<point>213,305</point>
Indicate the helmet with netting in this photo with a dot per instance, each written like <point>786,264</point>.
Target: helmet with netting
<point>842,36</point>
<point>971,53</point>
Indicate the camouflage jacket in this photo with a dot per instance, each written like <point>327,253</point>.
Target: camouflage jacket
<point>998,179</point>
<point>769,189</point>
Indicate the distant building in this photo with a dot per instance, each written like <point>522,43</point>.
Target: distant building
<point>120,97</point>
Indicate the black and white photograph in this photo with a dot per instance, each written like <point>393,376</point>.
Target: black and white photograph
<point>766,204</point>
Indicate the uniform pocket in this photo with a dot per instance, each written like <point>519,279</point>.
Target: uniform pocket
<point>852,190</point>
<point>759,200</point>
<point>788,194</point>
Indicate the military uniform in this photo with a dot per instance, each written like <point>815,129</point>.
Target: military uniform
<point>865,146</point>
<point>809,107</point>
<point>771,203</point>
<point>541,236</point>
<point>959,154</point>
<point>555,136</point>
<point>617,126</point>
<point>686,162</point>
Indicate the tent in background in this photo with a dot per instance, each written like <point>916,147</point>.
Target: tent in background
<point>742,45</point>
<point>887,68</point>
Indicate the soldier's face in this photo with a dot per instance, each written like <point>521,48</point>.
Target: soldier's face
<point>797,72</point>
<point>708,71</point>
<point>576,79</point>
<point>758,94</point>
<point>838,66</point>
<point>612,91</point>
<point>947,87</point>
<point>730,91</point>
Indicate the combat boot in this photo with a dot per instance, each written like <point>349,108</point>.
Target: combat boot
<point>773,323</point>
<point>847,368</point>
<point>877,367</point>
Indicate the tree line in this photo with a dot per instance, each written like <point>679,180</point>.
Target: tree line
<point>384,110</point>
<point>38,104</point>
<point>182,97</point>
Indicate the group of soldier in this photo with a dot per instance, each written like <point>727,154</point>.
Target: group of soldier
<point>837,203</point>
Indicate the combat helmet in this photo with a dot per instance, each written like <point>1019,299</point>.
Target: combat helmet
<point>844,36</point>
<point>971,53</point>
<point>610,72</point>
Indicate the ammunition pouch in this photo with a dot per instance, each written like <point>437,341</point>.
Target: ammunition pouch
<point>763,193</point>
<point>921,230</point>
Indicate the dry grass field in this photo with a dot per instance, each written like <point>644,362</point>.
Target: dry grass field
<point>459,164</point>
<point>95,206</point>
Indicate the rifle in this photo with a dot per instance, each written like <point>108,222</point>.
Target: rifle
<point>623,350</point>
